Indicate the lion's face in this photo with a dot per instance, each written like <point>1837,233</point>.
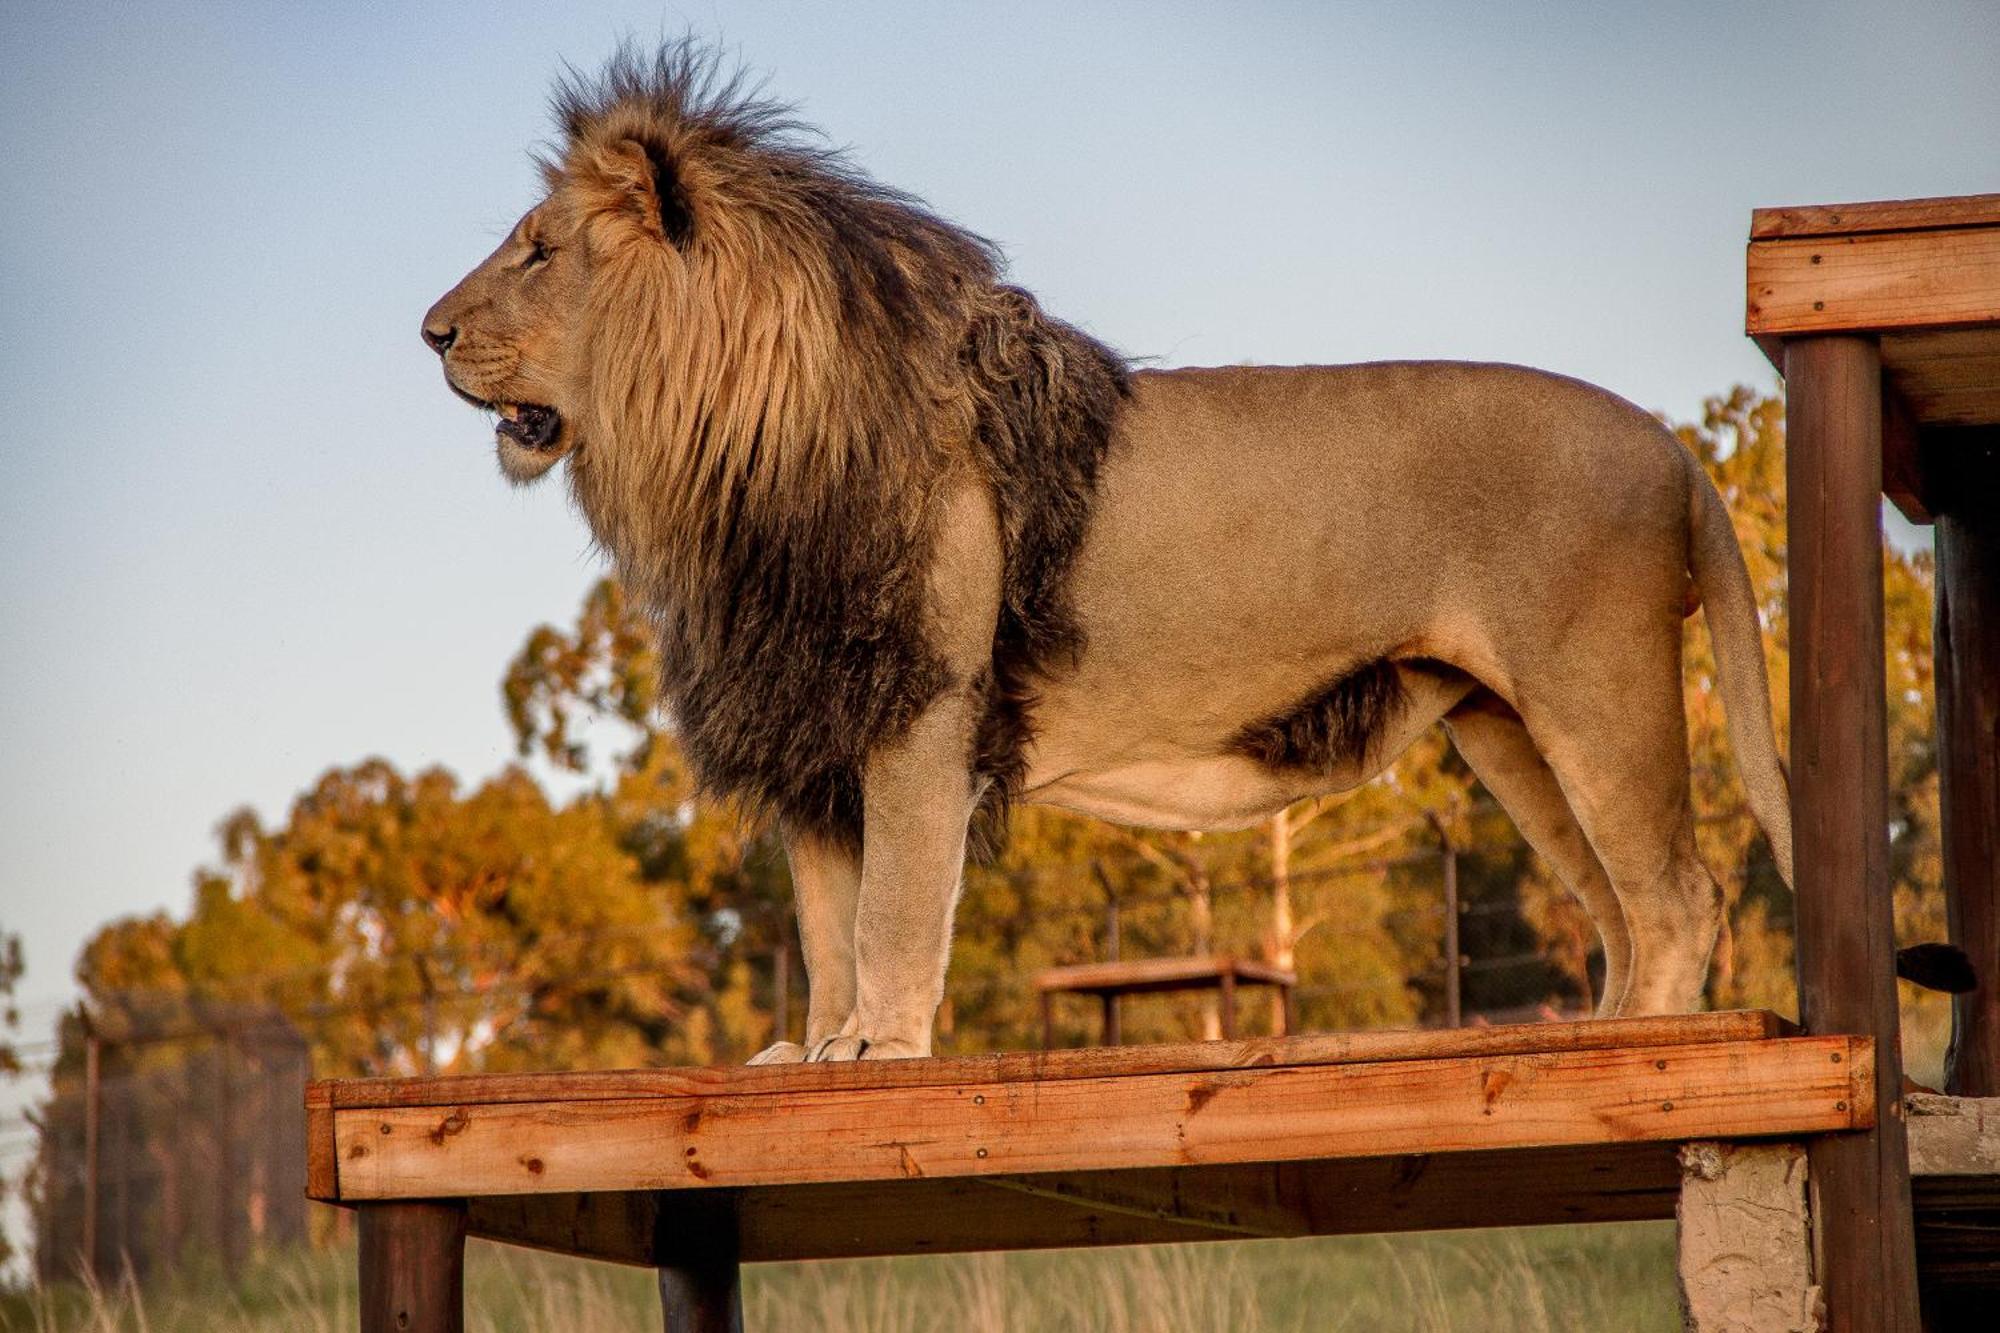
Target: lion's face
<point>504,334</point>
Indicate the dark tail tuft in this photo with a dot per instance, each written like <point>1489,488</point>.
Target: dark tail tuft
<point>1937,967</point>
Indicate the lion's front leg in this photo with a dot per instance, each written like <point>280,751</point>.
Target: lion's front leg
<point>826,880</point>
<point>917,796</point>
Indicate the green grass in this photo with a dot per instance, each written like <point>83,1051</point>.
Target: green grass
<point>1541,1279</point>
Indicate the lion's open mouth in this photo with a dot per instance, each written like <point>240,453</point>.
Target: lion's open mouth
<point>530,425</point>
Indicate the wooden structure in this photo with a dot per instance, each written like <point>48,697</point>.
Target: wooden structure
<point>1110,980</point>
<point>696,1170</point>
<point>1885,320</point>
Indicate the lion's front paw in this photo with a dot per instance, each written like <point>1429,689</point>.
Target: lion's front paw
<point>780,1053</point>
<point>856,1047</point>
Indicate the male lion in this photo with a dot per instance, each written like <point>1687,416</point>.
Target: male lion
<point>916,550</point>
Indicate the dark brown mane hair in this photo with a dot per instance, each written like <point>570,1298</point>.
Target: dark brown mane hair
<point>785,367</point>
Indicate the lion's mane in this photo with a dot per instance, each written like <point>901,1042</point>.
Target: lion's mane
<point>782,381</point>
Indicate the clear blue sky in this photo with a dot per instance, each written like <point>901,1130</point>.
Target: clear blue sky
<point>246,534</point>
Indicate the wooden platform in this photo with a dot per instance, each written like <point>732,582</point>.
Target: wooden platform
<point>1267,1137</point>
<point>1923,277</point>
<point>1114,979</point>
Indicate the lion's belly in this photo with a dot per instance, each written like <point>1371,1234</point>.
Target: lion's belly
<point>1213,793</point>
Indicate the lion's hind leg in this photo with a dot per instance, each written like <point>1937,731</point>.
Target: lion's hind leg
<point>1609,721</point>
<point>1491,739</point>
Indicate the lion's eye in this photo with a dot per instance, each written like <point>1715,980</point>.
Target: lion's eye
<point>539,254</point>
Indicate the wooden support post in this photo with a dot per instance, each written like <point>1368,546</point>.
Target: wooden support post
<point>413,1267</point>
<point>695,1244</point>
<point>1962,484</point>
<point>1864,1234</point>
<point>1745,1243</point>
<point>1454,957</point>
<point>93,1133</point>
<point>1227,984</point>
<point>1112,1035</point>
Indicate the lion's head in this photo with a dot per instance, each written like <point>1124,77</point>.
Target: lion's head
<point>764,369</point>
<point>703,290</point>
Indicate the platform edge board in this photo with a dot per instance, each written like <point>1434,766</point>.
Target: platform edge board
<point>1875,281</point>
<point>1876,215</point>
<point>322,1175</point>
<point>1042,1066</point>
<point>1783,1086</point>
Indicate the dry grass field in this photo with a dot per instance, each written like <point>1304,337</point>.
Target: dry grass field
<point>1537,1281</point>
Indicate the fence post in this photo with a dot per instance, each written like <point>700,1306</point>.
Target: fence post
<point>93,1111</point>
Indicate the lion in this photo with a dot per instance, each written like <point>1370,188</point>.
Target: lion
<point>916,551</point>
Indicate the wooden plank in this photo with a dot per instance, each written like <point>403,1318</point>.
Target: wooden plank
<point>1902,466</point>
<point>1143,974</point>
<point>1964,478</point>
<point>616,1227</point>
<point>1044,1066</point>
<point>1889,280</point>
<point>1845,931</point>
<point>1720,1090</point>
<point>1964,210</point>
<point>320,1172</point>
<point>1618,1182</point>
<point>1530,1187</point>
<point>1949,377</point>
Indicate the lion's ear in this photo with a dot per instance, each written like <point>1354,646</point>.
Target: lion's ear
<point>650,189</point>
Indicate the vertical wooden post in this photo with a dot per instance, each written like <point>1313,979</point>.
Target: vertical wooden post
<point>413,1267</point>
<point>1962,482</point>
<point>695,1246</point>
<point>1284,927</point>
<point>1228,989</point>
<point>1864,1234</point>
<point>230,1183</point>
<point>93,1133</point>
<point>1113,1036</point>
<point>1454,971</point>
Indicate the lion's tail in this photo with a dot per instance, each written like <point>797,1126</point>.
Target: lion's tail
<point>1723,582</point>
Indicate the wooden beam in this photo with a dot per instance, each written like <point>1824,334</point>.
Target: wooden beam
<point>1613,1182</point>
<point>1902,469</point>
<point>1963,474</point>
<point>1878,281</point>
<point>1948,377</point>
<point>321,1173</point>
<point>1047,1066</point>
<point>413,1267</point>
<point>1783,1086</point>
<point>1845,929</point>
<point>1965,210</point>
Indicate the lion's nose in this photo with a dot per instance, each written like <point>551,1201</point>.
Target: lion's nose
<point>440,340</point>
